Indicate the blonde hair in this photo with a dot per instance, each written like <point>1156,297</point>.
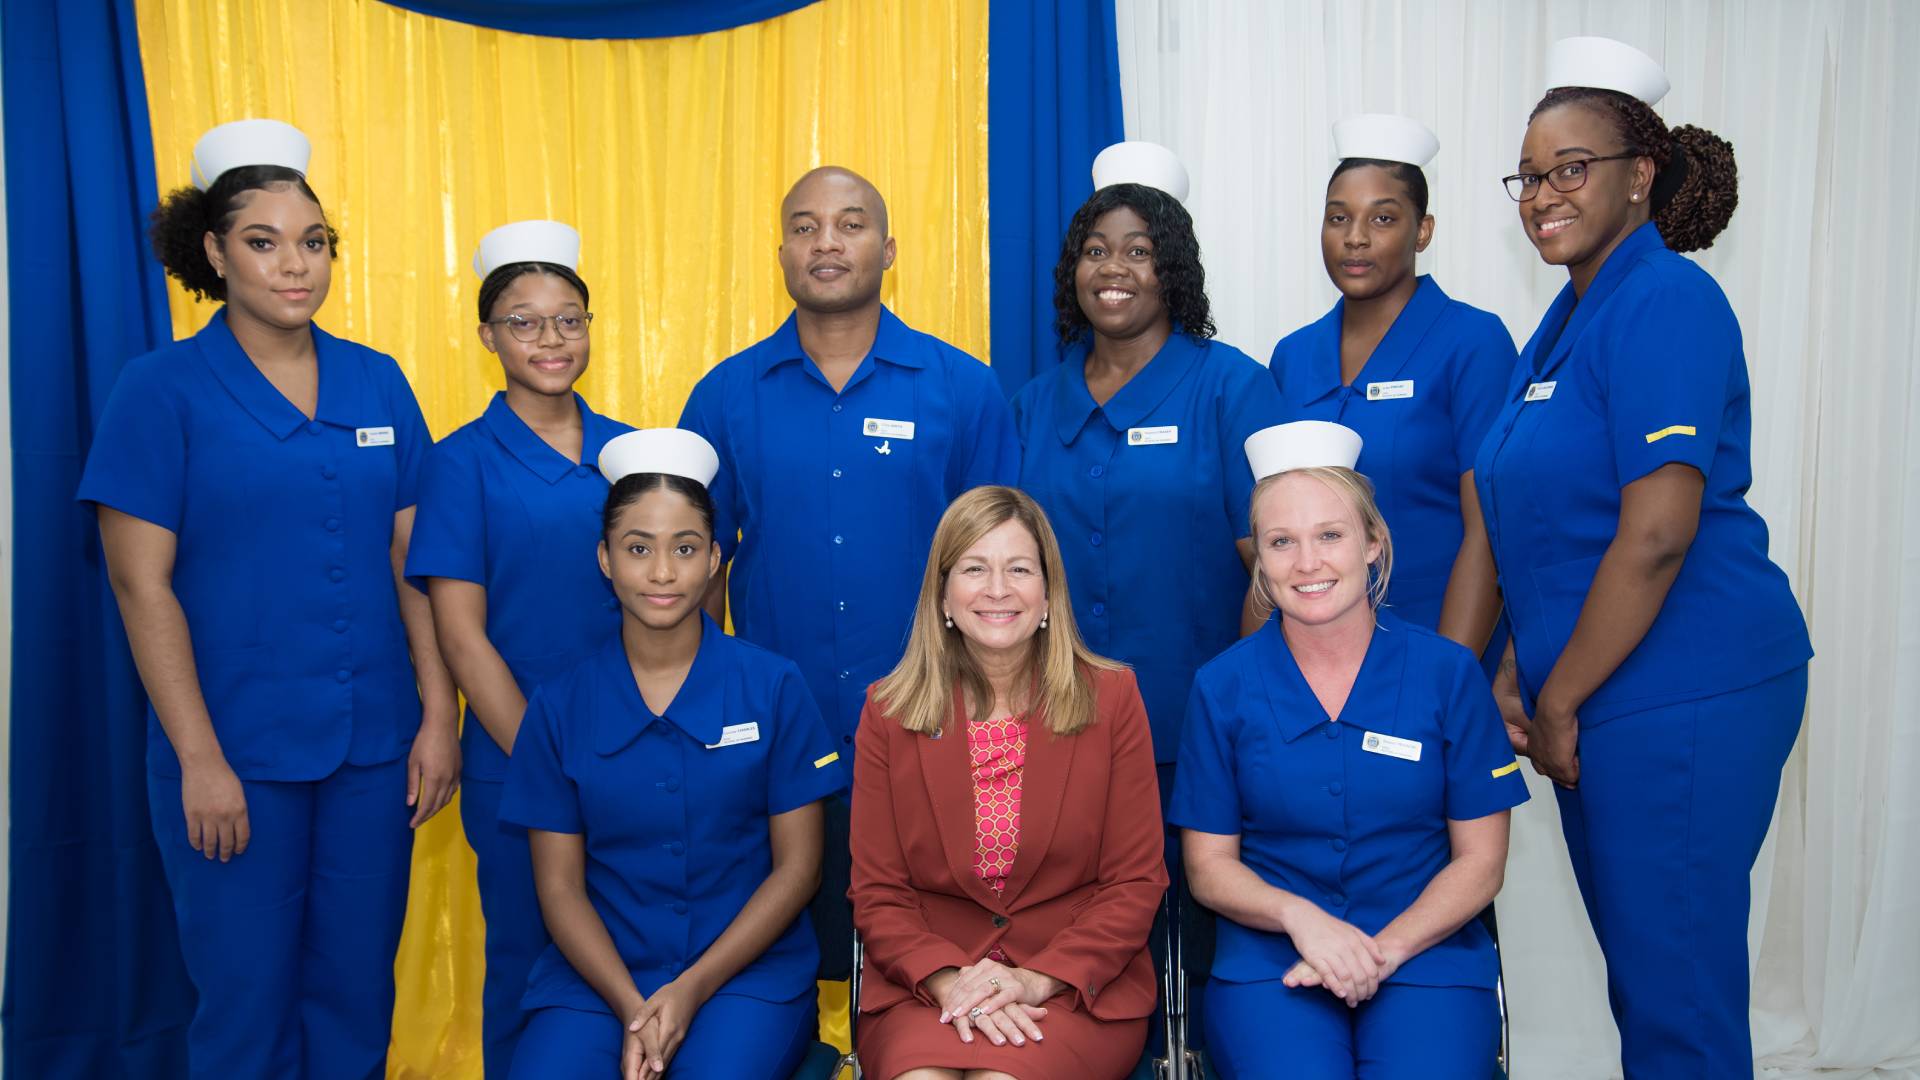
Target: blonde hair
<point>1357,490</point>
<point>919,690</point>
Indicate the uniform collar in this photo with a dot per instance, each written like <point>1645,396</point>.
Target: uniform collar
<point>1297,711</point>
<point>1573,313</point>
<point>894,342</point>
<point>1389,358</point>
<point>1073,404</point>
<point>532,451</point>
<point>339,398</point>
<point>696,708</point>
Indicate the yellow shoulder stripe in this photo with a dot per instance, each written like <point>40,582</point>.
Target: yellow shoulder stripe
<point>1505,769</point>
<point>1676,429</point>
<point>821,763</point>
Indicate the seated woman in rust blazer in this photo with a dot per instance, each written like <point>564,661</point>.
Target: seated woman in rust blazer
<point>1006,825</point>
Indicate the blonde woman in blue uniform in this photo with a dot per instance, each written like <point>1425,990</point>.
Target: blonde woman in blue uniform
<point>255,487</point>
<point>1661,657</point>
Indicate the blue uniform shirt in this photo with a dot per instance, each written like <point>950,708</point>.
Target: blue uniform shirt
<point>1647,369</point>
<point>1148,495</point>
<point>1342,812</point>
<point>674,808</point>
<point>501,508</point>
<point>285,526</point>
<point>1422,404</point>
<point>834,496</point>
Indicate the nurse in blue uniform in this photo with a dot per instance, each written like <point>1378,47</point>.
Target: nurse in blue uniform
<point>1417,373</point>
<point>503,542</point>
<point>1345,783</point>
<point>255,486</point>
<point>671,786</point>
<point>1662,659</point>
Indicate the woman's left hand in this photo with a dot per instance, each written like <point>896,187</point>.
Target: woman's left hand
<point>433,768</point>
<point>990,986</point>
<point>662,1024</point>
<point>1554,745</point>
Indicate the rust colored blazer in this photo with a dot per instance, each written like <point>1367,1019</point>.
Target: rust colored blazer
<point>1085,883</point>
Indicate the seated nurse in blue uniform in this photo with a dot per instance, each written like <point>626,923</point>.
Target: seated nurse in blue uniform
<point>670,784</point>
<point>1345,783</point>
<point>1417,373</point>
<point>255,486</point>
<point>503,543</point>
<point>1661,658</point>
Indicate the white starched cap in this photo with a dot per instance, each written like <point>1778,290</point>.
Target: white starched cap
<point>1606,64</point>
<point>248,142</point>
<point>1303,444</point>
<point>528,241</point>
<point>674,451</point>
<point>1148,164</point>
<point>1385,137</point>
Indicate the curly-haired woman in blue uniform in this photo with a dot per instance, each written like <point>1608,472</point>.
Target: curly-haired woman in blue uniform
<point>509,518</point>
<point>1661,656</point>
<point>671,786</point>
<point>1417,373</point>
<point>255,486</point>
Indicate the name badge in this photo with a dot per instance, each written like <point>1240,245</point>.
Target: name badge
<point>889,429</point>
<point>1540,391</point>
<point>1390,391</point>
<point>734,734</point>
<point>373,436</point>
<point>1153,436</point>
<point>1404,749</point>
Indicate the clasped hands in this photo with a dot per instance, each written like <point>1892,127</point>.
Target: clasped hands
<point>656,1028</point>
<point>1003,1003</point>
<point>1550,738</point>
<point>1338,956</point>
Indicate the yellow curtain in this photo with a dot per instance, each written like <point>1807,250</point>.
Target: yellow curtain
<point>669,155</point>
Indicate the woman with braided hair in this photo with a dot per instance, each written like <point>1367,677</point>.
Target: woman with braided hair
<point>1658,668</point>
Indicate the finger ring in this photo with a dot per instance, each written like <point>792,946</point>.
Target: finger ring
<point>974,1012</point>
<point>995,983</point>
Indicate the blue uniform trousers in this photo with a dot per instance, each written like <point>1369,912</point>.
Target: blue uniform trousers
<point>516,933</point>
<point>1263,1029</point>
<point>291,944</point>
<point>1672,806</point>
<point>731,1036</point>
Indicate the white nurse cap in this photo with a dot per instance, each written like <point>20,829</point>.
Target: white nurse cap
<point>248,142</point>
<point>1606,64</point>
<point>1303,444</point>
<point>674,451</point>
<point>1148,164</point>
<point>528,241</point>
<point>1384,137</point>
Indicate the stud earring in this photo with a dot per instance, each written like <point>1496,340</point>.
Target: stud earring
<point>1636,196</point>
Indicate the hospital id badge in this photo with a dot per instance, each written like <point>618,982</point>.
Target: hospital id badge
<point>1390,391</point>
<point>1153,436</point>
<point>1540,391</point>
<point>1404,749</point>
<point>734,734</point>
<point>888,429</point>
<point>373,436</point>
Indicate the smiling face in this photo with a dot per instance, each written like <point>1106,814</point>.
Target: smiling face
<point>834,248</point>
<point>1579,228</point>
<point>1370,233</point>
<point>659,554</point>
<point>1115,280</point>
<point>550,364</point>
<point>996,592</point>
<point>275,257</point>
<point>1314,550</point>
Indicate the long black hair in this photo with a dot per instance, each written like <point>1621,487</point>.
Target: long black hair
<point>188,214</point>
<point>1176,260</point>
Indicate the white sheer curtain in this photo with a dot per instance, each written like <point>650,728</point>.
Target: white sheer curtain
<point>1822,263</point>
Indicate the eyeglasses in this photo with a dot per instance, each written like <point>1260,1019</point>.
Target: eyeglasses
<point>528,328</point>
<point>1571,176</point>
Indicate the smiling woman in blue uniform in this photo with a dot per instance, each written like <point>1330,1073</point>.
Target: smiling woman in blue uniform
<point>1661,656</point>
<point>1415,372</point>
<point>509,515</point>
<point>670,784</point>
<point>255,487</point>
<point>1344,787</point>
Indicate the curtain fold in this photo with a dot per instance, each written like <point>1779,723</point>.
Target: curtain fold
<point>95,984</point>
<point>605,18</point>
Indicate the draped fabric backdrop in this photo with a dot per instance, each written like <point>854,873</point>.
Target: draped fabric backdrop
<point>670,155</point>
<point>1822,264</point>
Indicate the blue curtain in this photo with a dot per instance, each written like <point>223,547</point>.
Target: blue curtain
<point>1054,102</point>
<point>605,18</point>
<point>95,985</point>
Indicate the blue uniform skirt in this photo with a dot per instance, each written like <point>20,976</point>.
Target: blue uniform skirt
<point>731,1036</point>
<point>1265,1029</point>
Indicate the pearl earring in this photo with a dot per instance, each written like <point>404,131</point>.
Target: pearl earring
<point>949,622</point>
<point>1636,196</point>
<point>1043,620</point>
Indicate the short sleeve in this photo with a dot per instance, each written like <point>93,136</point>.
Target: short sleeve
<point>449,526</point>
<point>989,443</point>
<point>411,439</point>
<point>138,462</point>
<point>1667,362</point>
<point>1483,367</point>
<point>539,794</point>
<point>1206,792</point>
<point>1249,403</point>
<point>704,416</point>
<point>803,765</point>
<point>1483,776</point>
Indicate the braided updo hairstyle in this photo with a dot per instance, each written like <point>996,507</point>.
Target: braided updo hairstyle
<point>188,214</point>
<point>1695,184</point>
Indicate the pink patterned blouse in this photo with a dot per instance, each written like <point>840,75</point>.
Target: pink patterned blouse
<point>997,750</point>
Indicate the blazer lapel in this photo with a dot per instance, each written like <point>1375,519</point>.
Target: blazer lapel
<point>949,777</point>
<point>1043,787</point>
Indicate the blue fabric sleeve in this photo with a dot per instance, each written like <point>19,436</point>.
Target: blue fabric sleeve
<point>1483,776</point>
<point>539,793</point>
<point>994,443</point>
<point>450,525</point>
<point>703,415</point>
<point>1206,792</point>
<point>1485,365</point>
<point>1249,403</point>
<point>138,463</point>
<point>803,765</point>
<point>411,439</point>
<point>1670,350</point>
